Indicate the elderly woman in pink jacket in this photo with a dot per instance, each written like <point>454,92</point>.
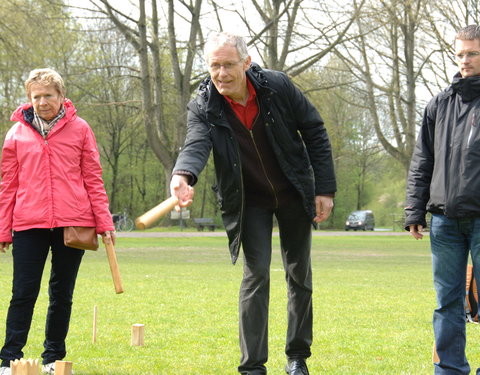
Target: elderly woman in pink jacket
<point>51,178</point>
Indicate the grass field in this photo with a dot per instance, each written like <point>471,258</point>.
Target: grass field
<point>373,301</point>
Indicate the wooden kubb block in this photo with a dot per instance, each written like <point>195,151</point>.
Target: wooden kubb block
<point>63,368</point>
<point>138,334</point>
<point>25,367</point>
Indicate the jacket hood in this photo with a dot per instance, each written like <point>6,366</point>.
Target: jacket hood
<point>21,114</point>
<point>468,88</point>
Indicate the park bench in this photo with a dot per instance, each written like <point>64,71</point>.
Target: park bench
<point>204,222</point>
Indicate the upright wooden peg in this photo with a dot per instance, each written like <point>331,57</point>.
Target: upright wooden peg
<point>138,333</point>
<point>63,368</point>
<point>94,335</point>
<point>25,367</point>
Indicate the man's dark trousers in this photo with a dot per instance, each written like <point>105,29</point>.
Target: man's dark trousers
<point>295,230</point>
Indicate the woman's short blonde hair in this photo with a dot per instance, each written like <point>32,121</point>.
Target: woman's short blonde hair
<point>47,77</point>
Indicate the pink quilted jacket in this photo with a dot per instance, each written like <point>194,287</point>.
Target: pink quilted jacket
<point>52,182</point>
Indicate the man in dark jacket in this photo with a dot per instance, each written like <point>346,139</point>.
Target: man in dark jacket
<point>272,156</point>
<point>444,179</point>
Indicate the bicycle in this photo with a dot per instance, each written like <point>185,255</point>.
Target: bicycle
<point>122,222</point>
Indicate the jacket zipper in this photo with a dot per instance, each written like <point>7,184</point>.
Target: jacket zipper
<point>45,141</point>
<point>275,196</point>
<point>472,127</point>
<point>264,170</point>
<point>250,131</point>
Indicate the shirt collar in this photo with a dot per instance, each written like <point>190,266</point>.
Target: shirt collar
<point>252,94</point>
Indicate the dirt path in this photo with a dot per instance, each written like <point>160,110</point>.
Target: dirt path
<point>219,233</point>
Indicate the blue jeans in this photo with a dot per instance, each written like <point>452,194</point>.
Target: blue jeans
<point>451,241</point>
<point>30,250</point>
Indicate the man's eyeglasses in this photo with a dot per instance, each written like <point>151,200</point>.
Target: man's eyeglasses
<point>227,66</point>
<point>470,55</point>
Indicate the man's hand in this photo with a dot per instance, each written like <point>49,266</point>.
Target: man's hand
<point>323,207</point>
<point>416,231</point>
<point>180,188</point>
<point>4,246</point>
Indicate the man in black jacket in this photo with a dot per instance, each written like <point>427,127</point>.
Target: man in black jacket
<point>272,156</point>
<point>444,179</point>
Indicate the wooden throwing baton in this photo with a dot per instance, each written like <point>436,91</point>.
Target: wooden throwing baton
<point>112,260</point>
<point>151,216</point>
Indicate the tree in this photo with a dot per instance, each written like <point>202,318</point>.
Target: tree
<point>377,41</point>
<point>167,85</point>
<point>26,45</point>
<point>354,144</point>
<point>165,129</point>
<point>291,35</point>
<point>109,97</point>
<point>386,61</point>
<point>144,32</point>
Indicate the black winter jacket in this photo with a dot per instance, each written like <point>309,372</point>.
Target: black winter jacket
<point>444,174</point>
<point>294,129</point>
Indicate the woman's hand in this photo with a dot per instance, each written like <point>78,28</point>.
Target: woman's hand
<point>109,237</point>
<point>4,246</point>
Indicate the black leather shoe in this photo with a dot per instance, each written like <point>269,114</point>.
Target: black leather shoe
<point>296,367</point>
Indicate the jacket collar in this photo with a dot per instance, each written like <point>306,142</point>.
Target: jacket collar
<point>24,113</point>
<point>210,99</point>
<point>467,88</point>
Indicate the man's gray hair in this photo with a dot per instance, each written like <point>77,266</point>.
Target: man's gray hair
<point>223,38</point>
<point>45,77</point>
<point>470,32</point>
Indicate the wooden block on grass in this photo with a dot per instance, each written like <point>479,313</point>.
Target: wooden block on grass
<point>63,368</point>
<point>25,367</point>
<point>138,333</point>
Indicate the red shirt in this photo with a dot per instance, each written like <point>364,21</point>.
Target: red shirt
<point>246,114</point>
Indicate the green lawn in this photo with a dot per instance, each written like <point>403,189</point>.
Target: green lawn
<point>373,301</point>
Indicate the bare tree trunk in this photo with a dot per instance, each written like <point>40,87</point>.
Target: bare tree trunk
<point>387,69</point>
<point>165,134</point>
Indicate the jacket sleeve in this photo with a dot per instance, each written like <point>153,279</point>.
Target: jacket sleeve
<point>421,170</point>
<point>92,177</point>
<point>8,187</point>
<point>314,135</point>
<point>197,146</point>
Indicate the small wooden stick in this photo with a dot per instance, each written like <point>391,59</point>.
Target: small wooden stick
<point>94,335</point>
<point>138,334</point>
<point>63,368</point>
